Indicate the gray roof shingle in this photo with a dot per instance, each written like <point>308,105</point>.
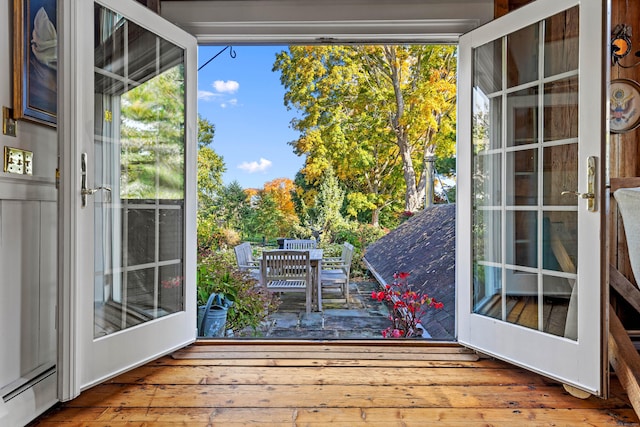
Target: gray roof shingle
<point>423,246</point>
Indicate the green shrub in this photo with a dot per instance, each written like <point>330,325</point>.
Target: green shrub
<point>360,236</point>
<point>218,273</point>
<point>212,237</point>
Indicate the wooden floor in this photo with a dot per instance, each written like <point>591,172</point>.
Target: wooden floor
<point>228,383</point>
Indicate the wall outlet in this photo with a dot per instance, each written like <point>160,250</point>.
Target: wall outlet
<point>13,160</point>
<point>18,161</point>
<point>28,162</point>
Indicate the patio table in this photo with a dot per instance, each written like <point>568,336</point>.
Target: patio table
<point>315,259</point>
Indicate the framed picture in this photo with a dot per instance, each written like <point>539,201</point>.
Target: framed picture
<point>35,61</point>
<point>624,100</point>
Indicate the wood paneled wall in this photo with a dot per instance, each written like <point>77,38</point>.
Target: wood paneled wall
<point>151,4</point>
<point>502,7</point>
<point>624,148</point>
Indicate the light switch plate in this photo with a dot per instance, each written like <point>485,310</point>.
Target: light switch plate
<point>8,122</point>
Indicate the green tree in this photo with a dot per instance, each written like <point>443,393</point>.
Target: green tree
<point>266,220</point>
<point>232,205</point>
<point>328,205</point>
<point>210,168</point>
<point>373,113</point>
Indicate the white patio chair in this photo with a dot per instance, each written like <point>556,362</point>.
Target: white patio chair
<point>335,273</point>
<point>287,271</point>
<point>300,244</point>
<point>244,258</point>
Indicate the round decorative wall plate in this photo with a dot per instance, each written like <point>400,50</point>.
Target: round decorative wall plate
<point>624,97</point>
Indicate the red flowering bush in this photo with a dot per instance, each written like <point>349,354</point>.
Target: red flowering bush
<point>408,307</point>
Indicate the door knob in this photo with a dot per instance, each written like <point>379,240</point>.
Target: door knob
<point>91,191</point>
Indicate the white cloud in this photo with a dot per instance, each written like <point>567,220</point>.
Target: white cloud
<point>206,95</point>
<point>230,86</point>
<point>253,167</point>
<point>230,103</point>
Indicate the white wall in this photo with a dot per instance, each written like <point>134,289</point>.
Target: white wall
<point>28,220</point>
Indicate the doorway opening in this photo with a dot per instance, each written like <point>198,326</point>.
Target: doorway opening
<point>334,144</point>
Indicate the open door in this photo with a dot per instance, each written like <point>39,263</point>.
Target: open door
<point>531,129</point>
<point>127,137</point>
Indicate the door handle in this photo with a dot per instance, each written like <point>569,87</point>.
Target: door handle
<point>581,195</point>
<point>590,195</point>
<point>84,191</point>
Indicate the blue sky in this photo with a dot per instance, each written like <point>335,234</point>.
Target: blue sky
<point>243,98</point>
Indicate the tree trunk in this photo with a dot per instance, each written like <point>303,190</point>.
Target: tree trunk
<point>411,199</point>
<point>429,171</point>
<point>375,217</point>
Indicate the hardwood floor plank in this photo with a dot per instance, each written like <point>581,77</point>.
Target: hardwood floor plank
<point>226,375</point>
<point>346,416</point>
<point>327,348</point>
<point>340,386</point>
<point>337,396</point>
<point>333,355</point>
<point>220,361</point>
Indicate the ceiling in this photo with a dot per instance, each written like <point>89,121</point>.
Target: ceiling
<point>327,21</point>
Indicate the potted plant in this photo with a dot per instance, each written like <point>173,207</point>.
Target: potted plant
<point>247,304</point>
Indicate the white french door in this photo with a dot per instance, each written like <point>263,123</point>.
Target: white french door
<point>127,137</point>
<point>531,129</point>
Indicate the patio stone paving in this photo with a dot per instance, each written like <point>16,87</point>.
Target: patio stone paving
<point>364,319</point>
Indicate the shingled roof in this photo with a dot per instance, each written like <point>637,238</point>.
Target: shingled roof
<point>424,246</point>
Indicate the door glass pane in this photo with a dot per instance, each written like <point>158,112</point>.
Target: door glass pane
<point>560,173</point>
<point>522,56</point>
<point>558,319</point>
<point>522,117</point>
<point>139,155</point>
<point>525,154</point>
<point>487,119</point>
<point>522,178</point>
<point>487,235</point>
<point>521,290</point>
<point>561,109</point>
<point>560,241</point>
<point>487,290</point>
<point>487,189</point>
<point>487,73</point>
<point>561,42</point>
<point>522,238</point>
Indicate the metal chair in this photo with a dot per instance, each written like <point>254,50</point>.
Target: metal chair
<point>335,273</point>
<point>300,244</point>
<point>287,271</point>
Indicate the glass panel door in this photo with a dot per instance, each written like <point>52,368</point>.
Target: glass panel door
<point>139,160</point>
<point>531,281</point>
<point>128,134</point>
<point>531,258</point>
